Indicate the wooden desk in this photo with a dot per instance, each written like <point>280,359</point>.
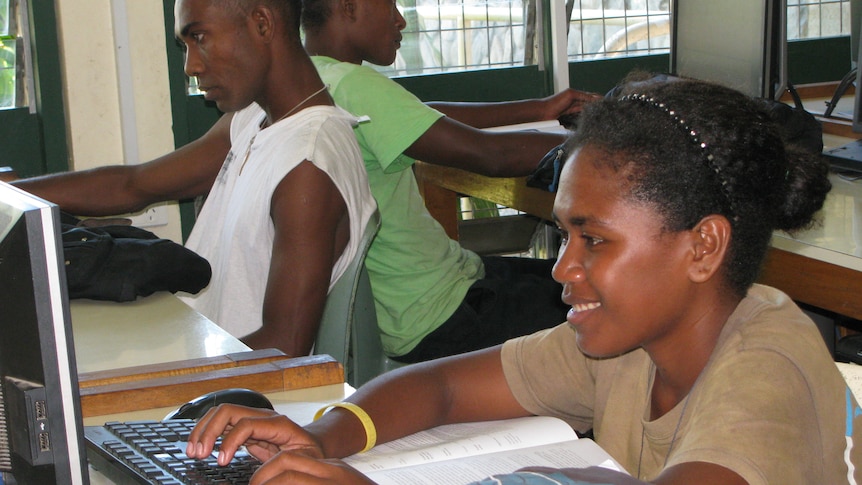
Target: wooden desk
<point>821,267</point>
<point>158,351</point>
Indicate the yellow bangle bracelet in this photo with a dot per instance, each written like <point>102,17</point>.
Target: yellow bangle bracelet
<point>364,418</point>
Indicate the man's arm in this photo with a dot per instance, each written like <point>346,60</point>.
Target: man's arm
<point>184,173</point>
<point>495,154</point>
<point>456,141</point>
<point>312,229</point>
<point>486,115</point>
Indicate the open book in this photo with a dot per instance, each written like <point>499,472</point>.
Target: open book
<point>462,453</point>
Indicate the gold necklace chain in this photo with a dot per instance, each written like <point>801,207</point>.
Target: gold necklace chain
<point>251,142</point>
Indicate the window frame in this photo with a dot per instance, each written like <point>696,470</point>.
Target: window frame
<point>809,61</point>
<point>45,149</point>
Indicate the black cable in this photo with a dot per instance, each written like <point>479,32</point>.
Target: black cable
<point>797,101</point>
<point>845,83</point>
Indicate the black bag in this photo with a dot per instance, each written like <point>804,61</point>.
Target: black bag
<point>849,349</point>
<point>546,175</point>
<point>797,127</point>
<point>120,263</point>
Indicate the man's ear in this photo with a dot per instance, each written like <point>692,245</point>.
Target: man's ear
<point>710,242</point>
<point>263,20</point>
<point>347,8</point>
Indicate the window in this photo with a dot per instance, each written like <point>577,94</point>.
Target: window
<point>456,35</point>
<point>608,28</point>
<point>13,54</point>
<point>34,143</point>
<point>611,28</point>
<point>810,19</point>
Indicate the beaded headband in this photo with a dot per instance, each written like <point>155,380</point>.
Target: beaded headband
<point>693,135</point>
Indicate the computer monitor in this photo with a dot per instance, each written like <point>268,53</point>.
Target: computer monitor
<point>855,53</point>
<point>848,157</point>
<point>41,429</point>
<point>855,25</point>
<point>742,45</point>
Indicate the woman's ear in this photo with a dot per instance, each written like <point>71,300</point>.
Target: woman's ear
<point>710,242</point>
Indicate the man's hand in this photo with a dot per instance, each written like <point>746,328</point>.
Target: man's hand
<point>263,432</point>
<point>294,468</point>
<point>567,102</point>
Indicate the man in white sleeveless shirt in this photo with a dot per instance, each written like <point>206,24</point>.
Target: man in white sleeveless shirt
<point>287,194</point>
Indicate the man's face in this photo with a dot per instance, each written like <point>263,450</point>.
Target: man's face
<point>380,23</point>
<point>222,51</point>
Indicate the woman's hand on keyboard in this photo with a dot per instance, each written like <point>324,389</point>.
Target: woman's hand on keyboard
<point>299,469</point>
<point>263,432</point>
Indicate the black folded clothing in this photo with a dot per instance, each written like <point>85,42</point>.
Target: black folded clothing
<point>120,263</point>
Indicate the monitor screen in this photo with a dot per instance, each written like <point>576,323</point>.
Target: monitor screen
<point>41,431</point>
<point>855,20</point>
<point>742,45</point>
<point>848,157</point>
<point>855,53</point>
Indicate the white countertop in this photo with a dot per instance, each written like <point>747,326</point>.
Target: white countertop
<point>156,329</point>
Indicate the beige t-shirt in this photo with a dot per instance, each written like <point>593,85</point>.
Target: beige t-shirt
<point>770,404</point>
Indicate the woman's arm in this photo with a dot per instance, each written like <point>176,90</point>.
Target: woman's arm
<point>467,387</point>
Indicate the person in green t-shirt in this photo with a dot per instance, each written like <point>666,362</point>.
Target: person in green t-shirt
<point>433,297</point>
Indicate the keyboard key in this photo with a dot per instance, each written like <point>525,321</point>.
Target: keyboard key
<point>157,451</point>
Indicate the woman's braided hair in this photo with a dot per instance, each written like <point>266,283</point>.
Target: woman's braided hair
<point>694,148</point>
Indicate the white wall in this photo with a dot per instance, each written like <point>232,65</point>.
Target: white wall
<point>92,88</point>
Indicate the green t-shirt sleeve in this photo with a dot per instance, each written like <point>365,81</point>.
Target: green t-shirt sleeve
<point>397,117</point>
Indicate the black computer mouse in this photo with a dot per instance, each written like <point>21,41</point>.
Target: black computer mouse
<point>198,406</point>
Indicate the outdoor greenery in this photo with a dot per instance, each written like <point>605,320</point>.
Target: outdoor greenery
<point>7,74</point>
<point>7,59</point>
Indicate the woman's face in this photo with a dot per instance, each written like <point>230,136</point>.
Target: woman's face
<point>625,278</point>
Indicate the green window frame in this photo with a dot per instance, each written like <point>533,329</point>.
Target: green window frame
<point>34,137</point>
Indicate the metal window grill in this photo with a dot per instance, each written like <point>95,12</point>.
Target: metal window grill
<point>807,19</point>
<point>612,28</point>
<point>455,35</point>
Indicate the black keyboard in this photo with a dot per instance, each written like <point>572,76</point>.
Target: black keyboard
<point>154,452</point>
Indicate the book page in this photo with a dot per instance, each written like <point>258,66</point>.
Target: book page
<point>465,439</point>
<point>549,126</point>
<point>853,376</point>
<point>572,454</point>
